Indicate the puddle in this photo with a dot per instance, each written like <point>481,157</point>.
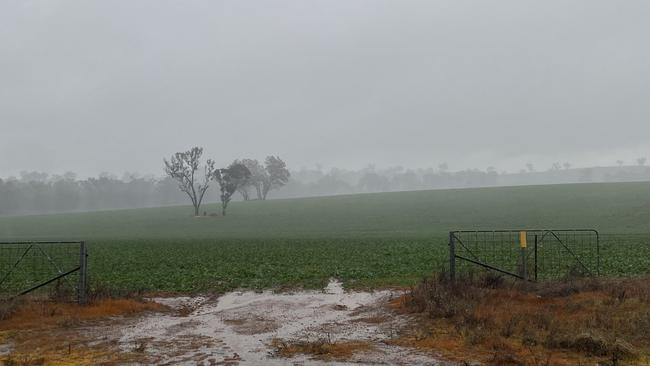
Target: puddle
<point>239,328</point>
<point>5,349</point>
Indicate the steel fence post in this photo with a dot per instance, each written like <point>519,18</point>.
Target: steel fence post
<point>83,268</point>
<point>535,257</point>
<point>522,245</point>
<point>452,256</point>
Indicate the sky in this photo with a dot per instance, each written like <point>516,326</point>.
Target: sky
<point>115,86</point>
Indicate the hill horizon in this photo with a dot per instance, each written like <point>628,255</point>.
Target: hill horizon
<point>611,207</point>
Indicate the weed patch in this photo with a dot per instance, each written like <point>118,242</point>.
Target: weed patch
<point>569,322</point>
<point>322,349</point>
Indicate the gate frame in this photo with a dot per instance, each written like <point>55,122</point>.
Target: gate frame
<point>453,256</point>
<point>82,293</point>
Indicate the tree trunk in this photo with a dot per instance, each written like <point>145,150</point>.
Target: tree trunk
<point>259,191</point>
<point>196,210</point>
<point>223,209</point>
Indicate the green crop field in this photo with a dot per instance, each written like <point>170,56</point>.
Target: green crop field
<point>367,240</point>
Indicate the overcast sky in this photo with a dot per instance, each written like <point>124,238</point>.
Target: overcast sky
<point>92,86</point>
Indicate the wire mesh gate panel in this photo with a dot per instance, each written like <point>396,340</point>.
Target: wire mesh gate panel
<point>57,269</point>
<point>526,254</point>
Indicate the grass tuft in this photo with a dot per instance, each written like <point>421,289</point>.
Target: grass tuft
<point>321,349</point>
<point>500,322</point>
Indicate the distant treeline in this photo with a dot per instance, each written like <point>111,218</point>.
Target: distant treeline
<point>38,193</point>
<point>316,182</point>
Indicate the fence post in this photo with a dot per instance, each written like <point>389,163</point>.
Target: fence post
<point>522,245</point>
<point>597,253</point>
<point>535,257</point>
<point>452,256</point>
<point>83,271</point>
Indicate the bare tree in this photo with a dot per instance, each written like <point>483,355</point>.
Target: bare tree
<point>183,167</point>
<point>641,161</point>
<point>277,174</point>
<point>231,179</point>
<point>620,162</point>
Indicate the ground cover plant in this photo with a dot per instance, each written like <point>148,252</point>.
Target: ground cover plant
<point>367,240</point>
<point>575,321</point>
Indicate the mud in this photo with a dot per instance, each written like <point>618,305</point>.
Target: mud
<point>245,328</point>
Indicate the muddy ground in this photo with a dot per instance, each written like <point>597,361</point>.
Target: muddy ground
<point>332,327</point>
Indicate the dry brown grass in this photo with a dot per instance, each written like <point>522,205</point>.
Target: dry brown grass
<point>47,333</point>
<point>38,315</point>
<point>572,322</point>
<point>322,349</point>
<point>61,356</point>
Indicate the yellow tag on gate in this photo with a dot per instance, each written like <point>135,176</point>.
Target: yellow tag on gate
<point>522,239</point>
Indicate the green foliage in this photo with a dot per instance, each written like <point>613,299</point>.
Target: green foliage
<point>230,180</point>
<point>195,265</point>
<point>368,240</point>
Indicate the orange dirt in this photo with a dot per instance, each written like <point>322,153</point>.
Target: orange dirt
<point>48,333</point>
<point>35,315</point>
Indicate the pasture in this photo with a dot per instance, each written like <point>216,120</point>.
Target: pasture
<point>366,240</point>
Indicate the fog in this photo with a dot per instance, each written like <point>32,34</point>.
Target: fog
<point>91,87</point>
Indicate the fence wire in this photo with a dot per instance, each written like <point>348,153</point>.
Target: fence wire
<point>540,254</point>
<point>54,266</point>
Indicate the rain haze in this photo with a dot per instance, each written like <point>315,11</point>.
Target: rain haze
<point>92,86</point>
<point>325,182</point>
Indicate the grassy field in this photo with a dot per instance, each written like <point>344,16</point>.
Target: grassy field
<point>367,240</point>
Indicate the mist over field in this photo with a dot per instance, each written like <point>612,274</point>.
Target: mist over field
<point>325,182</point>
<point>226,108</point>
<point>93,87</point>
<point>354,96</point>
<point>40,193</point>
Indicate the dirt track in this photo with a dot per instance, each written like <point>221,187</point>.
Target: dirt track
<point>242,328</point>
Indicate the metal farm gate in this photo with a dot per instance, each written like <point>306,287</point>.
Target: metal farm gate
<point>529,255</point>
<point>57,266</point>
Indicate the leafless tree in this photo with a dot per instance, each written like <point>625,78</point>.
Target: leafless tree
<point>567,165</point>
<point>620,162</point>
<point>183,167</point>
